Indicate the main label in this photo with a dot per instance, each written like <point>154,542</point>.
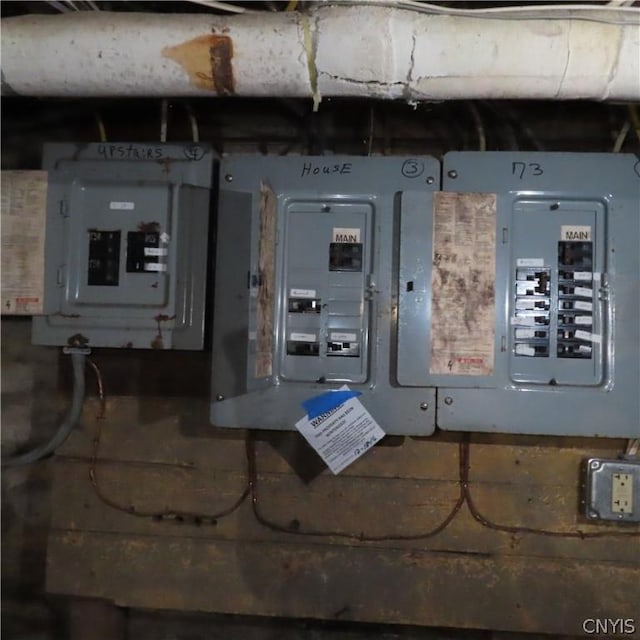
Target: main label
<point>575,233</point>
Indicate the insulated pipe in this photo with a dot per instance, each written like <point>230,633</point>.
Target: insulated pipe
<point>331,51</point>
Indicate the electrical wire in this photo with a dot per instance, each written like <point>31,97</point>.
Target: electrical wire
<point>632,448</point>
<point>634,116</point>
<point>482,138</point>
<point>251,490</point>
<point>195,132</point>
<point>621,137</point>
<point>69,422</point>
<point>176,515</point>
<point>292,5</point>
<point>294,528</point>
<point>586,12</point>
<point>489,524</point>
<point>164,114</point>
<point>222,6</point>
<point>101,130</point>
<point>58,6</point>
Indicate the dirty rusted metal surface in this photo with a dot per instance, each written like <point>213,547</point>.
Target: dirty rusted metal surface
<point>207,60</point>
<point>266,282</point>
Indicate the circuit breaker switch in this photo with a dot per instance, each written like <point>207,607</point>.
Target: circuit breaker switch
<point>303,344</point>
<point>345,256</point>
<point>304,305</point>
<point>343,344</point>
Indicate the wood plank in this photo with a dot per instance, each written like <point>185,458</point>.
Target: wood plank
<point>346,504</point>
<point>174,432</point>
<point>346,583</point>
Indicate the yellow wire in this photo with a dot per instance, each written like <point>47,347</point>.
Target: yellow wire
<point>635,119</point>
<point>291,6</point>
<point>101,129</point>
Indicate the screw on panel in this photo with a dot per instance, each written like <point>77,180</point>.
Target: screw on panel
<point>595,465</point>
<point>448,400</point>
<point>453,173</point>
<point>430,180</point>
<point>326,208</point>
<point>219,397</point>
<point>424,406</point>
<point>228,177</point>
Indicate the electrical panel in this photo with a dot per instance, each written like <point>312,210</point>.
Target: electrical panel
<point>511,296</point>
<point>307,287</point>
<point>556,333</point>
<point>126,245</point>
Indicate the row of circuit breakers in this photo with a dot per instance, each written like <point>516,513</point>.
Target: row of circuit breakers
<point>494,291</point>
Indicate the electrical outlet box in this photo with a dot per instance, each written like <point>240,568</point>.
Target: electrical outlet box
<point>534,329</point>
<point>307,278</point>
<point>126,245</point>
<point>612,490</point>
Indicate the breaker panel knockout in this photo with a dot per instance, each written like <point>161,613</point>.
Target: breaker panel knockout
<point>126,245</point>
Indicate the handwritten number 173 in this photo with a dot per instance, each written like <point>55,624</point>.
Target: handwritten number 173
<point>521,168</point>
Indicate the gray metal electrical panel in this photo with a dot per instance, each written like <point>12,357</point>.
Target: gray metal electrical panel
<point>558,345</point>
<point>126,245</point>
<point>307,287</point>
<point>512,295</point>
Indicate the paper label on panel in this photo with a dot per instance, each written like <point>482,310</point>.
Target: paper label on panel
<point>575,233</point>
<point>341,435</point>
<point>122,206</point>
<point>463,284</point>
<point>24,211</point>
<point>341,234</point>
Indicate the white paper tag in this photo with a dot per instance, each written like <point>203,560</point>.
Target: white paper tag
<point>583,275</point>
<point>122,206</point>
<point>303,337</point>
<point>585,335</point>
<point>155,251</point>
<point>583,291</point>
<point>343,337</point>
<point>582,305</point>
<point>525,334</point>
<point>155,266</point>
<point>575,233</point>
<point>525,350</point>
<point>342,435</point>
<point>341,234</point>
<point>530,262</point>
<point>302,293</point>
<point>583,320</point>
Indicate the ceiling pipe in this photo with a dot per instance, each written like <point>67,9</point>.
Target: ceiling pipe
<point>367,51</point>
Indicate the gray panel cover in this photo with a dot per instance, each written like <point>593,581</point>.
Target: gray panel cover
<point>541,196</point>
<point>352,276</point>
<point>103,201</point>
